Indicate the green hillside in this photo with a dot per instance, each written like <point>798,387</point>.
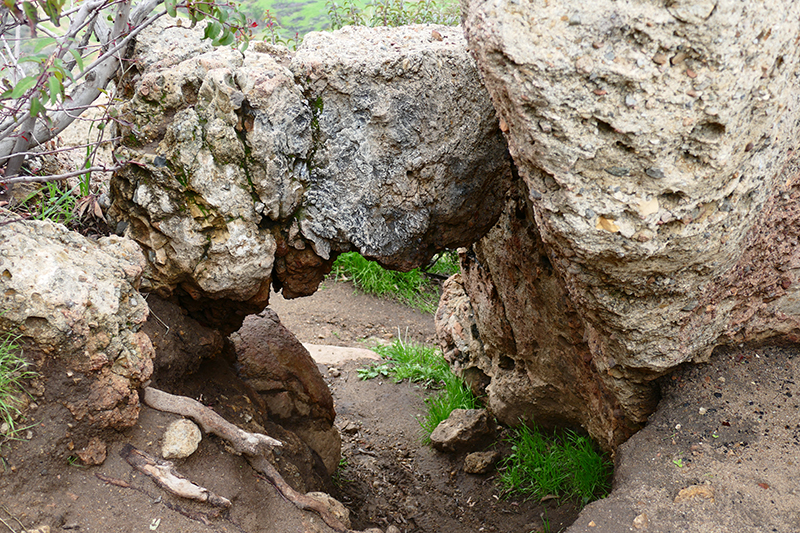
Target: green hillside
<point>302,16</point>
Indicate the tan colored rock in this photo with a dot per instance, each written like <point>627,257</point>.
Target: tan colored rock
<point>180,439</point>
<point>480,462</point>
<point>94,453</point>
<point>653,184</point>
<point>335,506</point>
<point>703,492</point>
<point>75,303</point>
<point>507,326</point>
<point>464,430</point>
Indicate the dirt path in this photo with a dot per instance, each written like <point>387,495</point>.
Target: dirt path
<point>389,477</point>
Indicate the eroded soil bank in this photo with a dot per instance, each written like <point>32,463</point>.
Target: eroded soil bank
<point>388,478</point>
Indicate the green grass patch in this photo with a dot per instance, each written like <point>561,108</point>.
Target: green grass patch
<point>419,363</point>
<point>564,465</point>
<point>413,288</point>
<point>13,371</point>
<point>454,395</point>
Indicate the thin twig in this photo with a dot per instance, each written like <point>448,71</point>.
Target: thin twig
<point>60,150</point>
<point>56,177</point>
<point>14,517</point>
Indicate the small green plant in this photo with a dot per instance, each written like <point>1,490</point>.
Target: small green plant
<point>411,288</point>
<point>74,460</point>
<point>455,395</point>
<point>419,363</point>
<point>13,371</point>
<point>445,264</point>
<point>373,371</point>
<point>565,465</point>
<point>53,202</point>
<point>338,476</point>
<point>415,362</point>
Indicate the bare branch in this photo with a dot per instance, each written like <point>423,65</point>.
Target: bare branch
<point>61,150</point>
<point>165,475</point>
<point>56,177</point>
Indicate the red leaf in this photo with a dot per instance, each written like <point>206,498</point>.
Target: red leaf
<point>764,485</point>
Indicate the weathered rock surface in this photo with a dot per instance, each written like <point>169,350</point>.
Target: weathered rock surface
<point>276,364</point>
<point>508,327</point>
<point>180,439</point>
<point>464,430</point>
<point>480,462</point>
<point>251,170</point>
<point>655,142</point>
<point>75,304</point>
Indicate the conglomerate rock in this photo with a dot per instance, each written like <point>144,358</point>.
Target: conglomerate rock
<point>255,169</point>
<point>75,305</point>
<point>655,140</point>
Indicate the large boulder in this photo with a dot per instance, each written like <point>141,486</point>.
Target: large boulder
<point>256,169</point>
<point>276,365</point>
<point>75,305</point>
<point>508,327</point>
<point>656,142</point>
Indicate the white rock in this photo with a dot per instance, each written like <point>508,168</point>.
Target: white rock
<point>180,439</point>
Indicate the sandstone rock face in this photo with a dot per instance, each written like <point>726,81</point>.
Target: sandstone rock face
<point>655,143</point>
<point>254,169</point>
<point>276,364</point>
<point>75,304</point>
<point>509,328</point>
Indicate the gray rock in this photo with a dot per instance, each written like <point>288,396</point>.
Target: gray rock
<point>480,462</point>
<point>75,303</point>
<point>464,430</point>
<point>409,157</point>
<point>718,126</point>
<point>180,440</point>
<point>256,169</point>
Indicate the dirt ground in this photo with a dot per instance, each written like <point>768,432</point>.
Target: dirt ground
<point>720,454</point>
<point>387,477</point>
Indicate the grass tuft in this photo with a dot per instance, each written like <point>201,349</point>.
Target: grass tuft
<point>454,395</point>
<point>13,370</point>
<point>566,465</point>
<point>419,363</point>
<point>410,288</point>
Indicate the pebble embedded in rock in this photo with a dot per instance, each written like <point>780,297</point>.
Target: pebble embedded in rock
<point>180,439</point>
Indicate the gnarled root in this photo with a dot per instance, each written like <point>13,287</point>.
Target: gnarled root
<point>252,445</point>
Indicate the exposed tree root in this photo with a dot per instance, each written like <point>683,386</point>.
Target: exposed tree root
<point>252,445</point>
<point>242,441</point>
<point>163,473</point>
<point>203,518</point>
